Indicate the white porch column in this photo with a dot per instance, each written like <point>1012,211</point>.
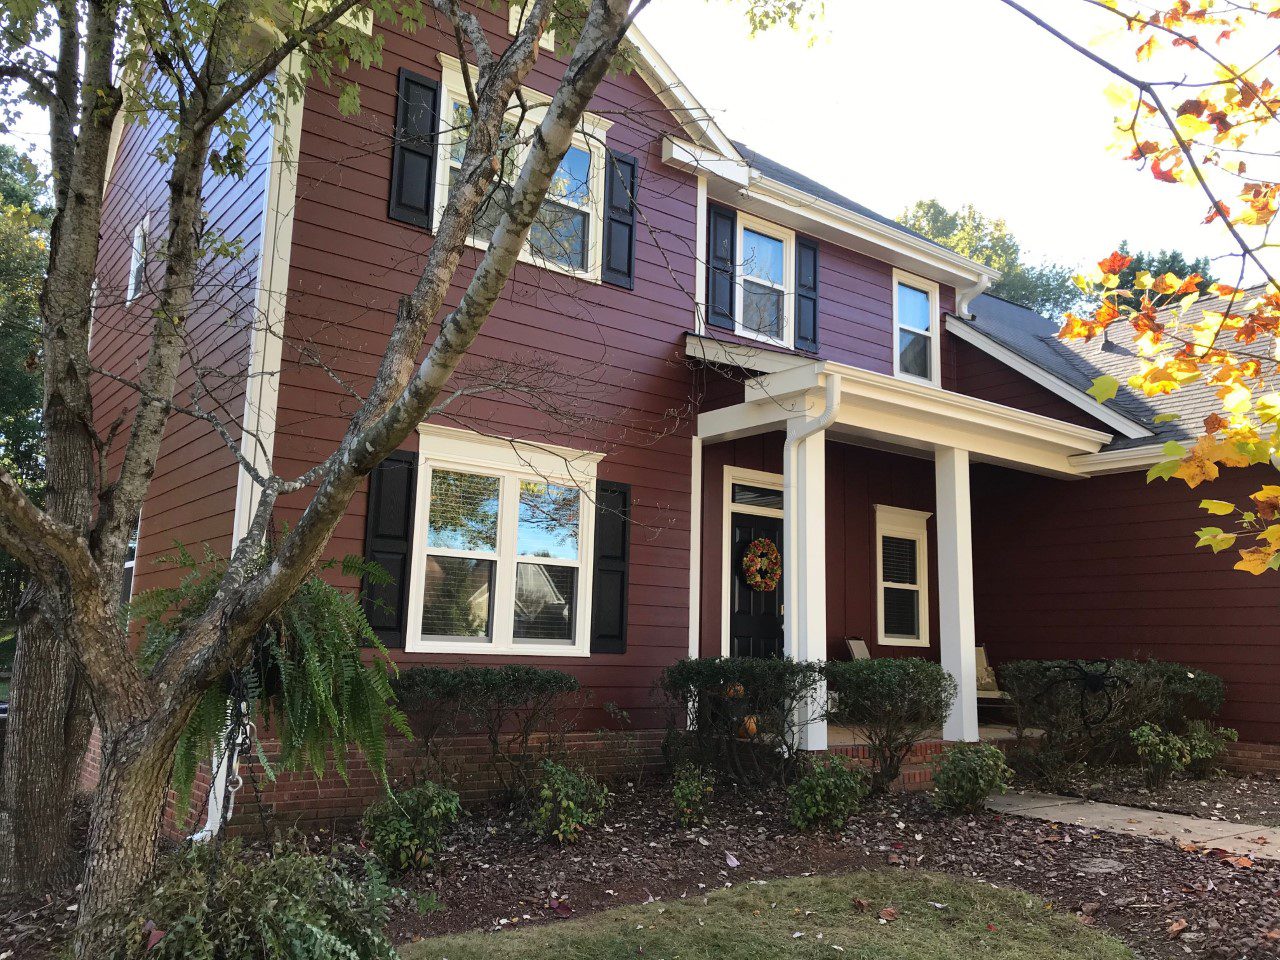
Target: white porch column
<point>955,589</point>
<point>804,562</point>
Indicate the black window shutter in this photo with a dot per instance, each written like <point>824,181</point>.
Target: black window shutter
<point>722,228</point>
<point>806,294</point>
<point>620,220</point>
<point>387,538</point>
<point>609,579</point>
<point>413,159</point>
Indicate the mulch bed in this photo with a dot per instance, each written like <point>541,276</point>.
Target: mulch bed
<point>1163,900</point>
<point>1167,902</point>
<point>1253,799</point>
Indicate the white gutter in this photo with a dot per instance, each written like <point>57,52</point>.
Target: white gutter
<point>965,297</point>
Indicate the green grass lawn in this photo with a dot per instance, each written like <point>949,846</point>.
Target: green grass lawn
<point>761,922</point>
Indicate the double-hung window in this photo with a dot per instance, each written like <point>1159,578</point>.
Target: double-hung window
<point>766,276</point>
<point>916,353</point>
<point>902,573</point>
<point>503,547</point>
<point>568,232</point>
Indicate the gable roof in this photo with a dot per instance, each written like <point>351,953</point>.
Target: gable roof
<point>1078,363</point>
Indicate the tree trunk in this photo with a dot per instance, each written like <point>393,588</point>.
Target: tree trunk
<point>48,730</point>
<point>124,828</point>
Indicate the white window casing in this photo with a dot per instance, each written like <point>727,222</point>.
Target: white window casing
<point>746,223</point>
<point>510,463</point>
<point>515,20</point>
<point>911,525</point>
<point>590,137</point>
<point>905,328</point>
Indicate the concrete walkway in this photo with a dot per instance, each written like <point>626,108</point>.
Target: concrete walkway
<point>1239,839</point>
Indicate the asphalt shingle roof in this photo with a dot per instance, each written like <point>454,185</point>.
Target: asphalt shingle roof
<point>793,178</point>
<point>1078,363</point>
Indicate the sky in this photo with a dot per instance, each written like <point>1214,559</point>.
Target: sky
<point>962,100</point>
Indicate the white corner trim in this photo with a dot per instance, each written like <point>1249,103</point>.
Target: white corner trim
<point>1100,411</point>
<point>700,259</point>
<point>262,389</point>
<point>931,289</point>
<point>695,546</point>
<point>676,97</point>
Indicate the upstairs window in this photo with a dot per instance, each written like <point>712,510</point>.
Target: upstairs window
<point>763,285</point>
<point>902,571</point>
<point>915,324</point>
<point>568,234</point>
<point>138,260</point>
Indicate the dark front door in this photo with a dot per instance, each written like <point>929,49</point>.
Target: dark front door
<point>755,616</point>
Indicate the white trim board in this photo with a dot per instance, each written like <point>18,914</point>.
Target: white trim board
<point>1100,411</point>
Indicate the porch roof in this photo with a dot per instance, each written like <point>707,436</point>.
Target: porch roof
<point>883,411</point>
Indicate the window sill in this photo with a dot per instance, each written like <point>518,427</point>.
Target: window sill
<point>418,645</point>
<point>902,642</point>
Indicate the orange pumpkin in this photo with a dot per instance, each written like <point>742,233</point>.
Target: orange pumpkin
<point>749,727</point>
<point>734,691</point>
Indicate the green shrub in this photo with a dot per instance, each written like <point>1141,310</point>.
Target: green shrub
<point>1206,745</point>
<point>967,774</point>
<point>895,701</point>
<point>1083,710</point>
<point>568,802</point>
<point>404,829</point>
<point>739,715</point>
<point>691,788</point>
<point>220,901</point>
<point>1160,753</point>
<point>827,795</point>
<point>520,710</point>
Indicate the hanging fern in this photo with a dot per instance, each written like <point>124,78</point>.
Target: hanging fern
<point>305,674</point>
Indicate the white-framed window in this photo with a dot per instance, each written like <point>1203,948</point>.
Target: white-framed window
<point>766,281</point>
<point>138,259</point>
<point>130,565</point>
<point>568,233</point>
<point>917,354</point>
<point>515,20</point>
<point>502,547</point>
<point>902,576</point>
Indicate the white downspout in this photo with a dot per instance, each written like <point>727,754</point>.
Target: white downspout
<point>965,297</point>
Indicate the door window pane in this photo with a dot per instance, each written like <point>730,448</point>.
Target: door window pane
<point>463,511</point>
<point>913,309</point>
<point>914,354</point>
<point>762,257</point>
<point>548,520</point>
<point>458,598</point>
<point>544,603</point>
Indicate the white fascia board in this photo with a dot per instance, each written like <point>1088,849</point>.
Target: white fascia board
<point>1100,411</point>
<point>782,202</point>
<point>699,160</point>
<point>1127,460</point>
<point>676,97</point>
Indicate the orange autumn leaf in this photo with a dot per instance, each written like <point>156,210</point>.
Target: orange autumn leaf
<point>1213,423</point>
<point>1115,263</point>
<point>1255,560</point>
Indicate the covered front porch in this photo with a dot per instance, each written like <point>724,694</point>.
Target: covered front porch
<point>864,481</point>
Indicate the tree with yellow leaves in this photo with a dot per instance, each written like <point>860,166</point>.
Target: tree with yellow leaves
<point>1199,109</point>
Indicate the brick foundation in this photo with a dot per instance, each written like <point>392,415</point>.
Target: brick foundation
<point>917,769</point>
<point>1249,758</point>
<point>304,800</point>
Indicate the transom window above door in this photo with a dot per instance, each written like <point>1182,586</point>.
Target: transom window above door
<point>916,354</point>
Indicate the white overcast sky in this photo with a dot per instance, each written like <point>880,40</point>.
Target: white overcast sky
<point>963,100</point>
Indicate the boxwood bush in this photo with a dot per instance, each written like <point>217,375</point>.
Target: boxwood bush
<point>522,711</point>
<point>896,702</point>
<point>739,715</point>
<point>1071,713</point>
<point>967,774</point>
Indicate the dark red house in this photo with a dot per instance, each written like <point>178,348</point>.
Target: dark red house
<point>704,348</point>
